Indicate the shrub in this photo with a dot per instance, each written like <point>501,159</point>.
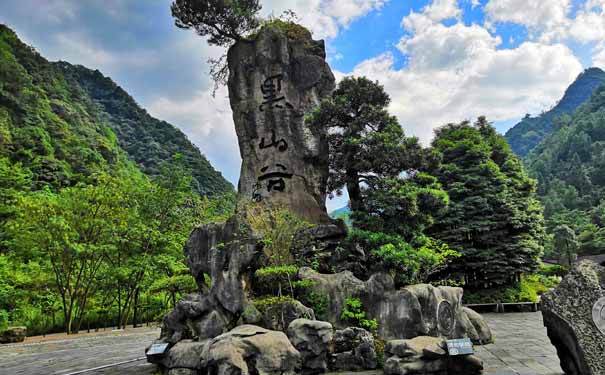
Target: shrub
<point>553,270</point>
<point>276,276</point>
<point>353,313</point>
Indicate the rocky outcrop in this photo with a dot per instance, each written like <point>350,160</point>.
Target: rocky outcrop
<point>320,247</point>
<point>573,313</point>
<point>13,334</point>
<point>416,310</point>
<point>248,349</point>
<point>427,355</point>
<point>275,79</point>
<point>312,338</point>
<point>353,350</point>
<point>226,252</point>
<point>481,334</point>
<point>278,316</point>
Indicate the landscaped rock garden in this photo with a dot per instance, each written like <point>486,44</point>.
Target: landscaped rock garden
<point>280,292</point>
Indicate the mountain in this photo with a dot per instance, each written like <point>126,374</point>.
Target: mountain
<point>570,167</point>
<point>65,122</point>
<point>525,135</point>
<point>146,140</point>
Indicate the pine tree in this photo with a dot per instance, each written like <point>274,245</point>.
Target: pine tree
<point>493,217</point>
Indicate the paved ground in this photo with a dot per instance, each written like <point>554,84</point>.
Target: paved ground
<point>521,348</point>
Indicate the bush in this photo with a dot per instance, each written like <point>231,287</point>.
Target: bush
<point>528,290</point>
<point>553,270</point>
<point>353,313</point>
<point>270,278</point>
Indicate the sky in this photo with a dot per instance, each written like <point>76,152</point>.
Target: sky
<point>440,61</point>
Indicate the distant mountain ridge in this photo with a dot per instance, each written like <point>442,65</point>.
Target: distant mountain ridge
<point>66,122</point>
<point>528,133</point>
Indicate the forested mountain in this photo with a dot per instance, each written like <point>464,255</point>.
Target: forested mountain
<point>570,167</point>
<point>147,140</point>
<point>526,135</point>
<point>66,122</point>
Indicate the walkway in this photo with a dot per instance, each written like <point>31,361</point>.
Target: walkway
<point>521,348</point>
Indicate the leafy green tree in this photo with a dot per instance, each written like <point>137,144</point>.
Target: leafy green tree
<point>366,143</point>
<point>565,244</point>
<point>493,217</point>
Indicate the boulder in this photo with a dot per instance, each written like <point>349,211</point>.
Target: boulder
<point>573,313</point>
<point>312,339</point>
<point>185,354</point>
<point>481,334</point>
<point>249,349</point>
<point>353,350</point>
<point>278,316</point>
<point>427,355</point>
<point>13,334</point>
<point>416,310</point>
<point>275,79</point>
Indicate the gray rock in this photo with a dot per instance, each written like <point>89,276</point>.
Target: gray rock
<point>274,81</point>
<point>278,316</point>
<point>481,334</point>
<point>427,355</point>
<point>416,310</point>
<point>186,354</point>
<point>249,349</point>
<point>312,339</point>
<point>13,334</point>
<point>353,350</point>
<point>568,317</point>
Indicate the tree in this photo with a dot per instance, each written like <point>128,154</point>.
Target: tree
<point>565,244</point>
<point>222,21</point>
<point>493,217</point>
<point>366,143</point>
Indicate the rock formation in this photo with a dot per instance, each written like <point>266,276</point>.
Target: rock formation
<point>13,334</point>
<point>312,338</point>
<point>427,355</point>
<point>353,349</point>
<point>573,313</point>
<point>274,81</point>
<point>416,310</point>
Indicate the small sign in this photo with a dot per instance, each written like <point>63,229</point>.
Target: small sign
<point>459,347</point>
<point>157,349</point>
<point>598,314</point>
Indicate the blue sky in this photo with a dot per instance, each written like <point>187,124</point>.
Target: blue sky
<point>440,60</point>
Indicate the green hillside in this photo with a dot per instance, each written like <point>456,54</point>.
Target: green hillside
<point>64,123</point>
<point>526,135</point>
<point>147,140</point>
<point>570,167</point>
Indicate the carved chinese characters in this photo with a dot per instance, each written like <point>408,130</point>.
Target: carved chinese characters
<point>274,81</point>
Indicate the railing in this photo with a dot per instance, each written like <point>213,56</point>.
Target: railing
<point>499,307</point>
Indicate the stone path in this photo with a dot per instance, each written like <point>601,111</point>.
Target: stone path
<point>521,348</point>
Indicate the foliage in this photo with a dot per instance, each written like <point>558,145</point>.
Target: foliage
<point>270,277</point>
<point>527,134</point>
<point>553,270</point>
<point>222,21</point>
<point>527,290</point>
<point>366,143</point>
<point>565,244</point>
<point>570,169</point>
<point>275,227</point>
<point>317,301</point>
<point>493,217</point>
<point>408,263</point>
<point>354,314</point>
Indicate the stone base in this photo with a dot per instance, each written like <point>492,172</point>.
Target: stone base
<point>13,334</point>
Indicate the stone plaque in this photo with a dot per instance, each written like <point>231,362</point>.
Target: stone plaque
<point>459,347</point>
<point>598,314</point>
<point>445,317</point>
<point>157,349</point>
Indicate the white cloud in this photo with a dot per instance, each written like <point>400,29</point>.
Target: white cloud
<point>551,20</point>
<point>208,123</point>
<point>437,11</point>
<point>457,72</point>
<point>324,17</point>
<point>598,58</point>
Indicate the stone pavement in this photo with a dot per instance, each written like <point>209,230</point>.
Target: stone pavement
<point>521,348</point>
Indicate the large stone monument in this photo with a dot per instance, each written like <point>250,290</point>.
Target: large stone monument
<point>574,316</point>
<point>276,78</point>
<point>274,81</point>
